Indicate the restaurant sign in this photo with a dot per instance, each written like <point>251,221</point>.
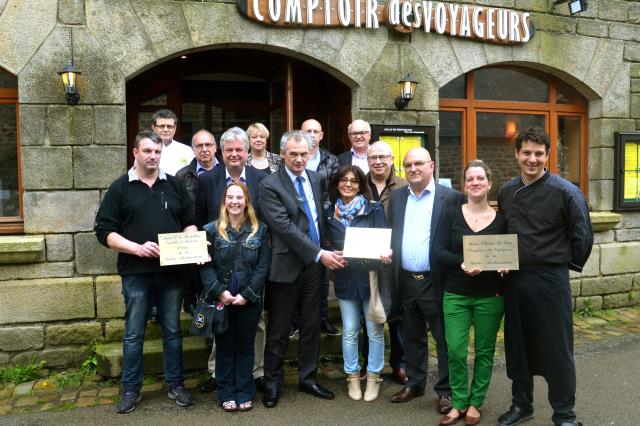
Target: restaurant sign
<point>489,24</point>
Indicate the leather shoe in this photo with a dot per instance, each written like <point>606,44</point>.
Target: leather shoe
<point>317,390</point>
<point>471,420</point>
<point>514,416</point>
<point>444,404</point>
<point>328,328</point>
<point>260,386</point>
<point>400,376</point>
<point>209,386</point>
<point>406,394</point>
<point>570,424</point>
<point>270,398</point>
<point>448,421</point>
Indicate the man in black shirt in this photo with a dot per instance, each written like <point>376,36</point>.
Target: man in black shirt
<point>137,207</point>
<point>551,217</point>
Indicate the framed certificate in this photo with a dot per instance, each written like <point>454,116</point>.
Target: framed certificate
<point>180,248</point>
<point>491,252</point>
<point>367,243</point>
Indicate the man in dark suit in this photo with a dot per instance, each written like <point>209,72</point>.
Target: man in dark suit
<point>234,144</point>
<point>359,136</point>
<point>291,201</point>
<point>414,216</point>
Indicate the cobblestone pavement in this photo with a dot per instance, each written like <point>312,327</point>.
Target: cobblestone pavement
<point>45,394</point>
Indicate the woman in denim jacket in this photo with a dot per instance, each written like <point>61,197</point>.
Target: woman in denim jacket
<point>352,207</point>
<point>239,286</point>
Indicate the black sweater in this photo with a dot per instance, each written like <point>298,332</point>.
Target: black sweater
<point>448,251</point>
<point>139,213</point>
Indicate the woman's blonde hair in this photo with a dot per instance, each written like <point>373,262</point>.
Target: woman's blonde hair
<point>249,212</point>
<point>256,128</point>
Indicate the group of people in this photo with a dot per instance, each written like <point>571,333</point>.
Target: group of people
<point>276,228</point>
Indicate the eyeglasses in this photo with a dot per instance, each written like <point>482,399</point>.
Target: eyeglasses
<point>361,133</point>
<point>376,158</point>
<point>209,146</point>
<point>346,180</point>
<point>165,126</point>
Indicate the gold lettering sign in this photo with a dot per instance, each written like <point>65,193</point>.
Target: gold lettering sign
<point>180,248</point>
<point>493,25</point>
<point>490,252</point>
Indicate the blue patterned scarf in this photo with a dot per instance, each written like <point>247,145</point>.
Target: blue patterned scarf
<point>346,213</point>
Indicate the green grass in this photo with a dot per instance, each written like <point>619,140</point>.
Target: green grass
<point>22,373</point>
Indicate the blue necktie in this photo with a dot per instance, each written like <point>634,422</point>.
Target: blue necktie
<point>312,223</point>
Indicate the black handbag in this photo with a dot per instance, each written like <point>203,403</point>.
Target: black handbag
<point>210,317</point>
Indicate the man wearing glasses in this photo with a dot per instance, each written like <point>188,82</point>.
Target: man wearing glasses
<point>359,136</point>
<point>175,155</point>
<point>203,145</point>
<point>414,217</point>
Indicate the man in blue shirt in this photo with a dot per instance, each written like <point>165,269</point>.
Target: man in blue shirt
<point>414,215</point>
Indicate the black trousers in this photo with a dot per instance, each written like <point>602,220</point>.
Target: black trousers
<point>281,301</point>
<point>419,308</point>
<point>539,338</point>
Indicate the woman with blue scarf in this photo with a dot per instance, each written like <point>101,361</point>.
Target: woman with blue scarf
<point>350,195</point>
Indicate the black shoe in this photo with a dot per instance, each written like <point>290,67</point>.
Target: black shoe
<point>270,398</point>
<point>329,328</point>
<point>260,386</point>
<point>153,314</point>
<point>514,416</point>
<point>317,391</point>
<point>209,386</point>
<point>576,423</point>
<point>293,331</point>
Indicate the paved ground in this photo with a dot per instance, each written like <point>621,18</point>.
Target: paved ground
<point>607,360</point>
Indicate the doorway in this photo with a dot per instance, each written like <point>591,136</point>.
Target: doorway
<point>218,89</point>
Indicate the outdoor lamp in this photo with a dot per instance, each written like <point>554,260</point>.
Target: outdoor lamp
<point>407,90</point>
<point>575,6</point>
<point>69,76</point>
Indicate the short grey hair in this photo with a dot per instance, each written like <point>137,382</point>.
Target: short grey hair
<point>202,132</point>
<point>380,144</point>
<point>232,134</point>
<point>296,135</point>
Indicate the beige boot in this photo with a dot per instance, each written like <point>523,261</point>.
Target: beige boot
<point>373,386</point>
<point>353,381</point>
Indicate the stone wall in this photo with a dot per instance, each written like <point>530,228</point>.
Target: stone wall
<point>58,292</point>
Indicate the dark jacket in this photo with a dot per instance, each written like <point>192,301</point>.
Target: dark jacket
<point>344,159</point>
<point>251,261</point>
<point>211,186</point>
<point>444,197</point>
<point>328,165</point>
<point>292,248</point>
<point>352,282</point>
<point>393,182</point>
<point>189,177</point>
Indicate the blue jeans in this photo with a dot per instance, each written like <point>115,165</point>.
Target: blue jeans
<point>137,290</point>
<point>350,311</point>
<point>235,353</point>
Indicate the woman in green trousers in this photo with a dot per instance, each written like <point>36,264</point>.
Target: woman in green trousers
<point>471,296</point>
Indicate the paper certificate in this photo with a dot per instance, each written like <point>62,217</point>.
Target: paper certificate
<point>180,248</point>
<point>367,243</point>
<point>491,252</point>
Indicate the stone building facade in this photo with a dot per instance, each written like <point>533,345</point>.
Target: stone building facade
<point>58,287</point>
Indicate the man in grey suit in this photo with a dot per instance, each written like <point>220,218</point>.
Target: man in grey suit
<point>291,201</point>
<point>414,216</point>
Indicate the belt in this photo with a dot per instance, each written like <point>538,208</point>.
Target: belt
<point>418,276</point>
